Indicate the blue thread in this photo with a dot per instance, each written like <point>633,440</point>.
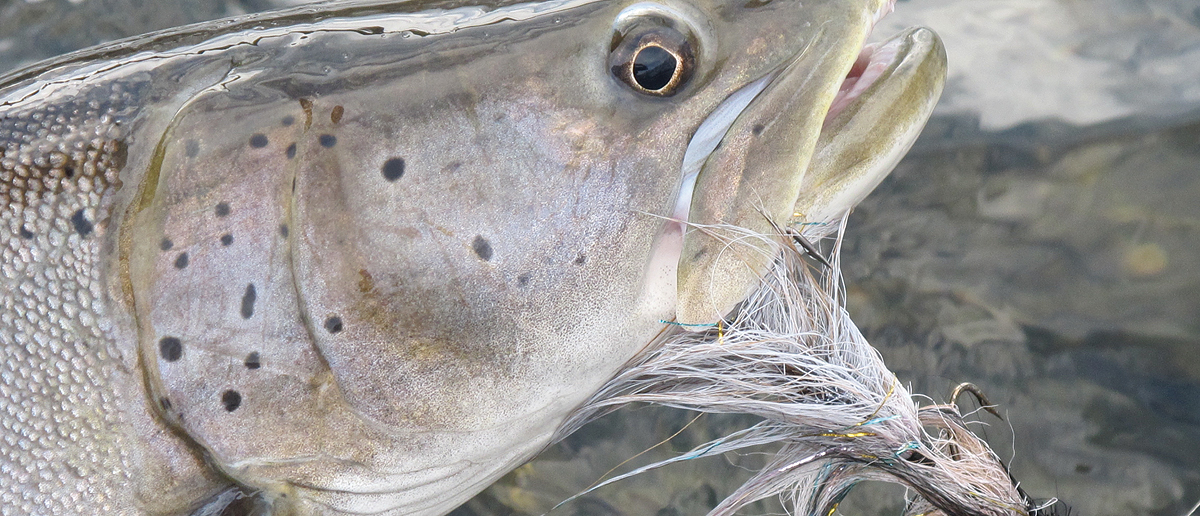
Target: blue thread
<point>686,324</point>
<point>911,445</point>
<point>824,475</point>
<point>880,420</point>
<point>701,453</point>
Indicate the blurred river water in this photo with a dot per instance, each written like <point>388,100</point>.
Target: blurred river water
<point>1041,240</point>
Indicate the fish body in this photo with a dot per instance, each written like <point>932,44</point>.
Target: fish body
<point>366,258</point>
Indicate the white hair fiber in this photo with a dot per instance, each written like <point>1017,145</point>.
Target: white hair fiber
<point>791,355</point>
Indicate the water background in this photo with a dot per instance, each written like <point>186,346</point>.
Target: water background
<point>1042,240</point>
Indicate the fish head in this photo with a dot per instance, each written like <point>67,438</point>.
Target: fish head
<point>815,136</point>
<point>374,253</point>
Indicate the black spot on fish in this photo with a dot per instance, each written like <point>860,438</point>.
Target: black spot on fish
<point>258,141</point>
<point>283,230</point>
<point>393,169</point>
<point>165,403</point>
<point>252,361</point>
<point>82,225</point>
<point>336,115</point>
<point>248,301</point>
<point>333,324</point>
<point>191,148</point>
<point>166,244</point>
<point>227,240</point>
<point>222,209</point>
<point>291,151</point>
<point>758,129</point>
<point>288,120</point>
<point>26,233</point>
<point>181,261</point>
<point>482,248</point>
<point>581,259</point>
<point>170,349</point>
<point>231,400</point>
<point>523,279</point>
<point>327,140</point>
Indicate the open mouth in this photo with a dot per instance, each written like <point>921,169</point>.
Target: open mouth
<point>878,64</point>
<point>873,62</point>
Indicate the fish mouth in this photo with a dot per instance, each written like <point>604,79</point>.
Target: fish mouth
<point>801,145</point>
<point>873,60</point>
<point>872,63</point>
<point>875,64</point>
<point>880,108</point>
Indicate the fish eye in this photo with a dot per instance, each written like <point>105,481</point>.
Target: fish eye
<point>652,57</point>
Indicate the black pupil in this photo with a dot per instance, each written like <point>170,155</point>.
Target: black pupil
<point>653,68</point>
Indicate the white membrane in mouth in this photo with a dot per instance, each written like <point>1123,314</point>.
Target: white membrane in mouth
<point>872,62</point>
<point>708,136</point>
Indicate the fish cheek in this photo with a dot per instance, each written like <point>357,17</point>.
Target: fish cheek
<point>395,242</point>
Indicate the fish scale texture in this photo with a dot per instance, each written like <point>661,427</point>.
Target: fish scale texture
<point>61,450</point>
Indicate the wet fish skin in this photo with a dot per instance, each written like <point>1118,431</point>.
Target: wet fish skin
<point>76,424</point>
<point>215,270</point>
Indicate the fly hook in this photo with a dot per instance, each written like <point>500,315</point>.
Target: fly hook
<point>979,397</point>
